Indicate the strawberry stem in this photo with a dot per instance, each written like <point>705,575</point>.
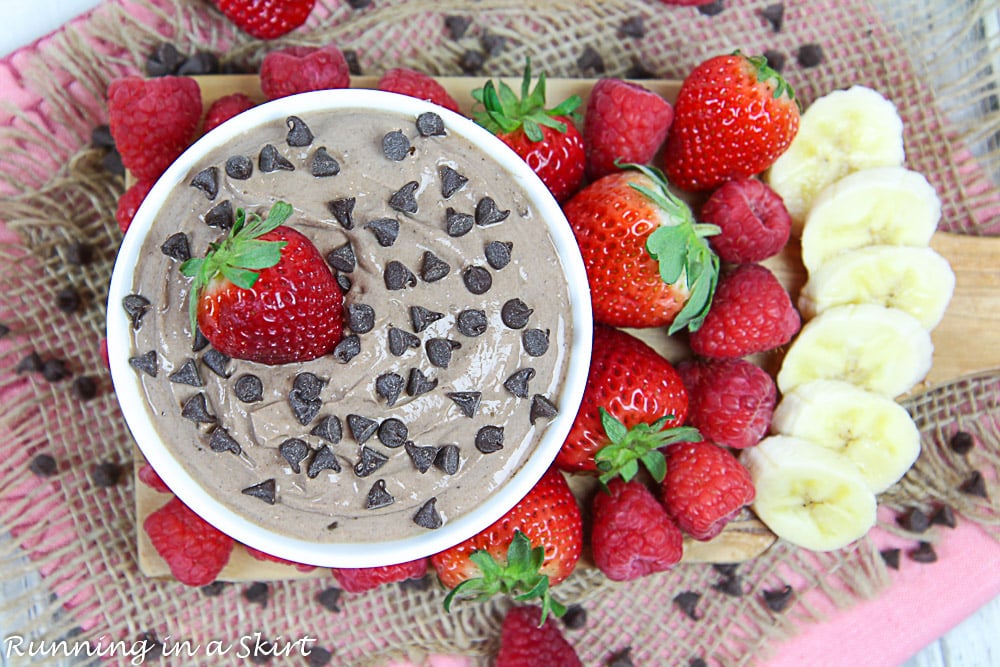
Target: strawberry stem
<point>504,112</point>
<point>640,444</point>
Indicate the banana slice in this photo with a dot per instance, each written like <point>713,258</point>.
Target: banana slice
<point>880,349</point>
<point>807,494</point>
<point>918,281</point>
<point>882,206</point>
<point>874,432</point>
<point>841,132</point>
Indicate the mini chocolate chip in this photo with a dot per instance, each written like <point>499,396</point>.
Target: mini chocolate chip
<point>369,462</point>
<point>395,145</point>
<point>319,656</point>
<point>353,64</point>
<point>112,162</point>
<point>777,599</point>
<point>775,59</point>
<point>575,617</point>
<point>342,258</point>
<point>418,383</point>
<point>429,124</point>
<point>944,516</point>
<point>961,442</point>
<point>270,160</point>
<point>633,26</point>
<point>54,370</point>
<point>890,557</point>
<point>498,253</point>
<point>343,282</point>
<point>421,317</point>
<point>360,317</point>
<point>392,432</point>
<point>389,386</point>
<point>323,164</point>
<point>915,521</point>
<point>329,598</point>
<point>447,459</point>
<point>196,409</point>
<point>457,224</point>
<point>397,276</point>
<point>294,451</point>
<point>105,474</point>
<point>401,340</point>
<point>214,589</point>
<point>515,313</point>
<point>239,167</point>
<point>100,137</point>
<point>725,569</point>
<point>305,409</point>
<point>472,322</point>
<point>541,408</point>
<point>622,658</point>
<point>202,62</point>
<point>359,4</point>
<point>207,180</point>
<point>697,662</point>
<point>362,428</point>
<point>711,8</point>
<point>923,553</point>
<point>385,230</point>
<point>517,383</point>
<point>221,215</point>
<point>79,253</point>
<point>176,247</point>
<point>493,44</point>
<point>32,363</point>
<point>43,465</point>
<point>439,351</point>
<point>809,55</point>
<point>467,401</point>
<point>348,348</point>
<point>329,428</point>
<point>299,133</point>
<point>404,199</point>
<point>200,342</point>
<point>731,585</point>
<point>535,341</point>
<point>688,603</point>
<point>266,491</point>
<point>974,485</point>
<point>379,496</point>
<point>216,362</point>
<point>84,388</point>
<point>422,457</point>
<point>148,363</point>
<point>488,213</point>
<point>489,439</point>
<point>775,15</point>
<point>222,441</point>
<point>421,585</point>
<point>590,61</point>
<point>427,516</point>
<point>343,211</point>
<point>477,280</point>
<point>451,181</point>
<point>4,330</point>
<point>324,459</point>
<point>433,268</point>
<point>249,388</point>
<point>135,306</point>
<point>188,374</point>
<point>471,61</point>
<point>457,25</point>
<point>163,61</point>
<point>257,593</point>
<point>68,300</point>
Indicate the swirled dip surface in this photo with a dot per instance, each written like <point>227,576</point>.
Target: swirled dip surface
<point>348,505</point>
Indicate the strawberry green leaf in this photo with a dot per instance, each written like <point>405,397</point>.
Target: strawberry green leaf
<point>655,464</point>
<point>627,448</point>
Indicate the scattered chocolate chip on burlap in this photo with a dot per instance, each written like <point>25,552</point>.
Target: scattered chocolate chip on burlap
<point>163,60</point>
<point>471,61</point>
<point>809,55</point>
<point>591,62</point>
<point>43,465</point>
<point>632,26</point>
<point>687,602</point>
<point>68,300</point>
<point>214,589</point>
<point>84,388</point>
<point>914,520</point>
<point>329,598</point>
<point>890,557</point>
<point>944,515</point>
<point>777,599</point>
<point>774,15</point>
<point>457,26</point>
<point>712,8</point>
<point>199,64</point>
<point>257,593</point>
<point>105,474</point>
<point>621,658</point>
<point>776,59</point>
<point>961,442</point>
<point>974,485</point>
<point>923,553</point>
<point>731,585</point>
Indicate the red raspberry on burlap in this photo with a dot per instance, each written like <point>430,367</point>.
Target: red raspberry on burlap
<point>526,643</point>
<point>194,550</point>
<point>225,108</point>
<point>416,84</point>
<point>130,201</point>
<point>361,579</point>
<point>300,69</point>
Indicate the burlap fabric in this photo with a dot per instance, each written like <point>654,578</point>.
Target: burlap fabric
<point>76,540</point>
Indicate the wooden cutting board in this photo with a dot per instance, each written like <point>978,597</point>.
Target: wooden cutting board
<point>961,340</point>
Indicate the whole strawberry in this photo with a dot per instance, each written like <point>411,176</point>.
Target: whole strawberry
<point>647,260</point>
<point>361,579</point>
<point>264,293</point>
<point>733,117</point>
<point>153,121</point>
<point>632,534</point>
<point>633,404</point>
<point>705,488</point>
<point>751,313</point>
<point>753,221</point>
<point>623,122</point>
<point>530,549</point>
<point>410,82</point>
<point>300,69</point>
<point>194,551</point>
<point>529,640</point>
<point>730,400</point>
<point>546,139</point>
<point>266,19</point>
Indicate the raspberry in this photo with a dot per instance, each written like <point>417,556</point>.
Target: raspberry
<point>225,108</point>
<point>266,19</point>
<point>524,642</point>
<point>632,533</point>
<point>153,121</point>
<point>417,84</point>
<point>266,557</point>
<point>704,488</point>
<point>130,200</point>
<point>623,121</point>
<point>751,312</point>
<point>754,221</point>
<point>359,580</point>
<point>300,69</point>
<point>730,400</point>
<point>194,550</point>
<point>151,479</point>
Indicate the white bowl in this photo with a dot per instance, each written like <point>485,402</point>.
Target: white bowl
<point>132,397</point>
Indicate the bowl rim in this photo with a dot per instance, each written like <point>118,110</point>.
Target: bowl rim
<point>128,385</point>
